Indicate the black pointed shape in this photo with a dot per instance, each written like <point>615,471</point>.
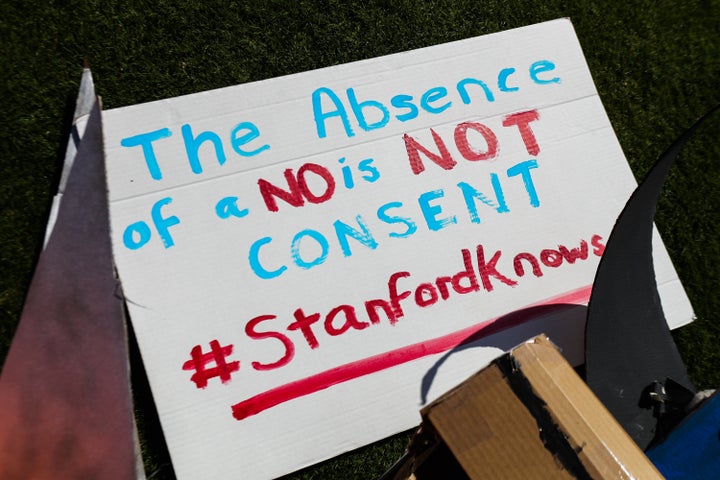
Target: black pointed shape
<point>629,347</point>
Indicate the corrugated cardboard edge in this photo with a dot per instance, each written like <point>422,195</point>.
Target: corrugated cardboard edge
<point>603,446</point>
<point>470,417</point>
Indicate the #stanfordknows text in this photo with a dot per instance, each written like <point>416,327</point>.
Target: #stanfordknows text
<point>482,271</point>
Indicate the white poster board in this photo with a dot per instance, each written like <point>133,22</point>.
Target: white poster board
<point>297,253</point>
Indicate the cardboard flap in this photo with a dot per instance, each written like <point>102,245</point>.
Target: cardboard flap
<point>529,413</point>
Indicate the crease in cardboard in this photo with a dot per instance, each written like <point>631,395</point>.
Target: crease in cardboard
<point>579,413</point>
<point>550,432</point>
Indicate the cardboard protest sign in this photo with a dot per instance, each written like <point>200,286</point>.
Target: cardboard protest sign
<point>298,253</point>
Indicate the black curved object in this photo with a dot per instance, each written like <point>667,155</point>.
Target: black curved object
<point>632,363</point>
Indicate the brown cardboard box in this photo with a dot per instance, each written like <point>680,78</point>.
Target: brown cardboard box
<point>527,415</point>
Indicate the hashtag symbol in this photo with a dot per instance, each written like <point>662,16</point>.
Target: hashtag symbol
<point>199,362</point>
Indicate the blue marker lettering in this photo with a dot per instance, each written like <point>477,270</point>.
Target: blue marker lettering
<point>383,215</point>
<point>463,91</point>
<point>343,230</point>
<point>540,67</point>
<point>192,145</point>
<point>244,133</point>
<point>373,174</point>
<point>163,223</point>
<point>347,175</point>
<point>360,116</point>
<point>502,80</point>
<point>405,101</point>
<point>431,212</point>
<point>321,241</point>
<point>470,194</point>
<point>433,95</point>
<point>227,207</point>
<point>142,231</point>
<point>499,194</point>
<point>523,169</point>
<point>259,270</point>
<point>145,141</point>
<point>320,116</point>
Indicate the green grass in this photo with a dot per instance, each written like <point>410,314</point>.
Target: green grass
<point>656,65</point>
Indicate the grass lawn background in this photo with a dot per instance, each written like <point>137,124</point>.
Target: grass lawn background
<point>656,65</point>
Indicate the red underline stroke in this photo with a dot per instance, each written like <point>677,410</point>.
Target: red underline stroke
<point>392,358</point>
